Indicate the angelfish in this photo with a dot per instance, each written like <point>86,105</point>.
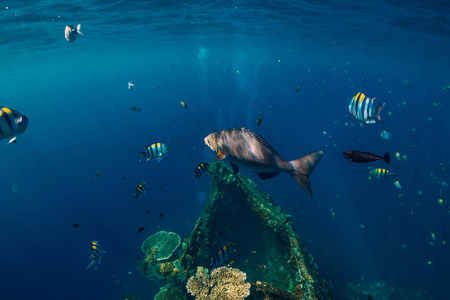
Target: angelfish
<point>246,148</point>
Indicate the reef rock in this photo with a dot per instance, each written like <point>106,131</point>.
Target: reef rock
<point>266,248</point>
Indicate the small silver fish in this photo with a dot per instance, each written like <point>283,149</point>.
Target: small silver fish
<point>246,148</point>
<point>70,32</point>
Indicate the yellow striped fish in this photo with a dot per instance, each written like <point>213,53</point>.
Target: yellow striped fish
<point>157,151</point>
<point>70,33</point>
<point>140,191</point>
<point>382,173</point>
<point>97,254</point>
<point>364,109</point>
<point>12,124</point>
<point>221,255</point>
<point>201,168</point>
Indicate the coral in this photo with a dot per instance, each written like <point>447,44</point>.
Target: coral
<point>223,283</point>
<point>164,242</point>
<point>171,292</point>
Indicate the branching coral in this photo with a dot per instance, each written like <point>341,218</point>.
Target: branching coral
<point>223,283</point>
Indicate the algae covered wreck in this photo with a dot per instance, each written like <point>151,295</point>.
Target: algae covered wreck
<point>266,263</point>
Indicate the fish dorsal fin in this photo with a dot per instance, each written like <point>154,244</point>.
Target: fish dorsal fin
<point>258,138</point>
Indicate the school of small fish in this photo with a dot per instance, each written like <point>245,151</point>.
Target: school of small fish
<point>246,148</point>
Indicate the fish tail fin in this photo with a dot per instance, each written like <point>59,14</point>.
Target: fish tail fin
<point>13,140</point>
<point>303,167</point>
<point>378,110</point>
<point>78,29</point>
<point>93,263</point>
<point>142,155</point>
<point>387,157</point>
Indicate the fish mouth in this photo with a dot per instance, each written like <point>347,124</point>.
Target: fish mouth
<point>210,144</point>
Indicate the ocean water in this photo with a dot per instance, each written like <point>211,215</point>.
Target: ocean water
<point>229,61</point>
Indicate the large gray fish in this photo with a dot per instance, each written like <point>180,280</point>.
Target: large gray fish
<point>244,147</point>
<point>12,124</point>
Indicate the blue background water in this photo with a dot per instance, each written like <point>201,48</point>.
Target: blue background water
<point>227,60</point>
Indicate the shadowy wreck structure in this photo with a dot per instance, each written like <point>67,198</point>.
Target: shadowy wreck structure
<point>266,262</point>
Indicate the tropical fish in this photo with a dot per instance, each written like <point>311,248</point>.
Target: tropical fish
<point>382,173</point>
<point>98,174</point>
<point>12,124</point>
<point>183,104</point>
<point>136,109</point>
<point>221,255</point>
<point>247,148</point>
<point>385,135</point>
<point>399,158</point>
<point>259,121</point>
<point>364,109</point>
<point>398,185</point>
<point>75,225</point>
<point>140,229</point>
<point>365,157</point>
<point>97,254</point>
<point>130,85</point>
<point>201,168</point>
<point>297,89</point>
<point>140,191</point>
<point>70,32</point>
<point>156,150</point>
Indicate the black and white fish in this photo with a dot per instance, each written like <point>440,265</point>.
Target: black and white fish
<point>156,151</point>
<point>12,124</point>
<point>97,254</point>
<point>244,147</point>
<point>140,191</point>
<point>70,32</point>
<point>201,168</point>
<point>221,255</point>
<point>130,85</point>
<point>364,109</point>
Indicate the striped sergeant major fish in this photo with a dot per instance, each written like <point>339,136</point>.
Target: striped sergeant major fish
<point>382,173</point>
<point>364,109</point>
<point>97,254</point>
<point>386,135</point>
<point>221,255</point>
<point>247,148</point>
<point>70,32</point>
<point>140,191</point>
<point>156,150</point>
<point>12,124</point>
<point>200,170</point>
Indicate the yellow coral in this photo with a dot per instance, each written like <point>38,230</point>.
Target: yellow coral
<point>223,283</point>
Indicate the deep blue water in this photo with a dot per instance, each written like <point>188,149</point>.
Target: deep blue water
<point>227,60</point>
